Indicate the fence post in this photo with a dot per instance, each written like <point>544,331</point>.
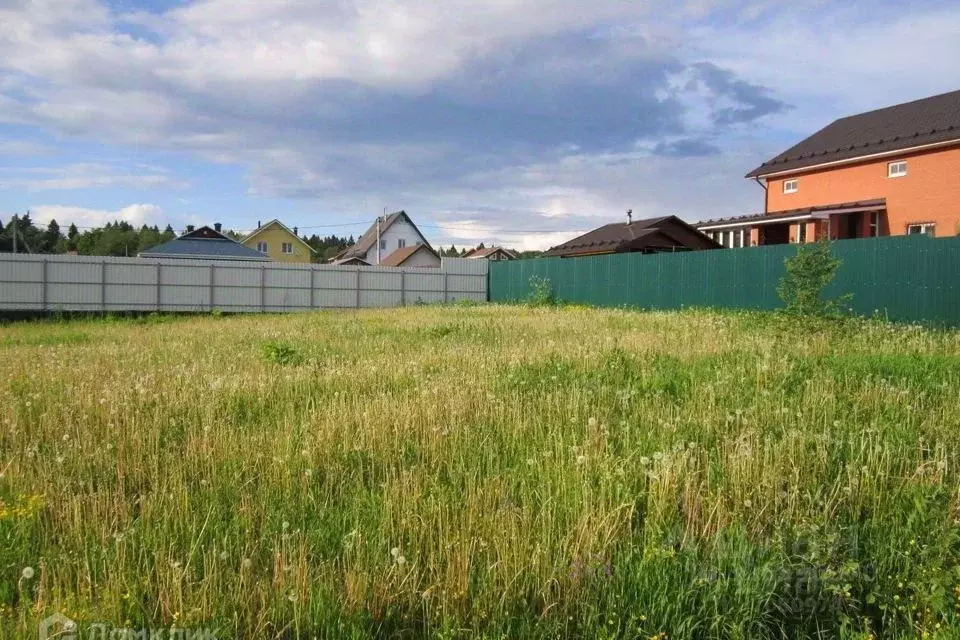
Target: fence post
<point>103,286</point>
<point>403,288</point>
<point>43,285</point>
<point>313,286</point>
<point>213,269</point>
<point>159,266</point>
<point>263,284</point>
<point>446,277</point>
<point>358,288</point>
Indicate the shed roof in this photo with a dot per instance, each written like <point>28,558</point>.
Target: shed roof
<point>912,124</point>
<point>878,204</point>
<point>398,257</point>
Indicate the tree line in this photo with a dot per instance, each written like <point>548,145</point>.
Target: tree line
<point>22,235</point>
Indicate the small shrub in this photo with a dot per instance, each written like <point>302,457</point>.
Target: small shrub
<point>541,292</point>
<point>280,353</point>
<point>808,274</point>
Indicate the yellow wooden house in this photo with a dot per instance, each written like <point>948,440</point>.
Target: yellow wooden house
<point>279,243</point>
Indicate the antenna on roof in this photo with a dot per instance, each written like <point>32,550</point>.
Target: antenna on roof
<point>629,216</point>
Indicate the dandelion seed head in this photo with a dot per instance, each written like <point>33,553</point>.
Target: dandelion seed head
<point>27,573</point>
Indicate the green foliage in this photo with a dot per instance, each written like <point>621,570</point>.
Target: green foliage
<point>542,473</point>
<point>808,274</point>
<point>280,353</point>
<point>541,292</point>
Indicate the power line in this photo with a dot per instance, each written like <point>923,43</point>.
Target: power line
<point>340,225</point>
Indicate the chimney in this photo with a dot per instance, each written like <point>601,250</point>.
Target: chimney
<point>258,224</point>
<point>189,228</point>
<point>217,227</point>
<point>295,232</point>
<point>629,216</point>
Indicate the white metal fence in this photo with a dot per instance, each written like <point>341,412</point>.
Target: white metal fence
<point>88,283</point>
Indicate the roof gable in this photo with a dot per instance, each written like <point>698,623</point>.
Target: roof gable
<point>276,224</point>
<point>369,238</point>
<point>931,120</point>
<point>489,251</point>
<point>650,234</point>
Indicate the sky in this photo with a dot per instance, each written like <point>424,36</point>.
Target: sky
<point>520,123</point>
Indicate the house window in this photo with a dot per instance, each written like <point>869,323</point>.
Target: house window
<point>287,247</point>
<point>383,244</point>
<point>262,247</point>
<point>897,169</point>
<point>401,243</point>
<point>791,186</point>
<point>722,238</point>
<point>874,224</point>
<point>923,228</point>
<point>801,233</point>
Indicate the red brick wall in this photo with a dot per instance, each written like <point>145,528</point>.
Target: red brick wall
<point>930,192</point>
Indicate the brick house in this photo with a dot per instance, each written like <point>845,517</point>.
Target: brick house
<point>893,171</point>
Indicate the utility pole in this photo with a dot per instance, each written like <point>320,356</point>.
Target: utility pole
<point>14,223</point>
<point>378,238</point>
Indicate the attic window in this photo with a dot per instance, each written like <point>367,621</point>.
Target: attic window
<point>262,247</point>
<point>897,169</point>
<point>791,186</point>
<point>287,248</point>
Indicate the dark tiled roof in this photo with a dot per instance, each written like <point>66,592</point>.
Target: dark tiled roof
<point>403,254</point>
<point>654,234</point>
<point>204,243</point>
<point>927,121</point>
<point>878,204</point>
<point>369,238</point>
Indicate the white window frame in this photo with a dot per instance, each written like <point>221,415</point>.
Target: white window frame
<point>875,224</point>
<point>924,229</point>
<point>262,247</point>
<point>801,236</point>
<point>791,186</point>
<point>287,248</point>
<point>897,169</point>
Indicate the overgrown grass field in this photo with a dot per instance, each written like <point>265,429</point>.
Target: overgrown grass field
<point>482,472</point>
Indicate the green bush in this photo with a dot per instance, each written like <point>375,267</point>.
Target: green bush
<point>541,292</point>
<point>808,274</point>
<point>280,353</point>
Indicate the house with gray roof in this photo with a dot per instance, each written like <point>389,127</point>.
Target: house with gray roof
<point>205,243</point>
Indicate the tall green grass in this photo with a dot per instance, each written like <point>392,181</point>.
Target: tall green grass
<point>482,472</point>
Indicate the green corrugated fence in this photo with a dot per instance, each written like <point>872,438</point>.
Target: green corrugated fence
<point>905,278</point>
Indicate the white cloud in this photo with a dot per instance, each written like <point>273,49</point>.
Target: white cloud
<point>85,176</point>
<point>283,89</point>
<point>135,214</point>
<point>23,148</point>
